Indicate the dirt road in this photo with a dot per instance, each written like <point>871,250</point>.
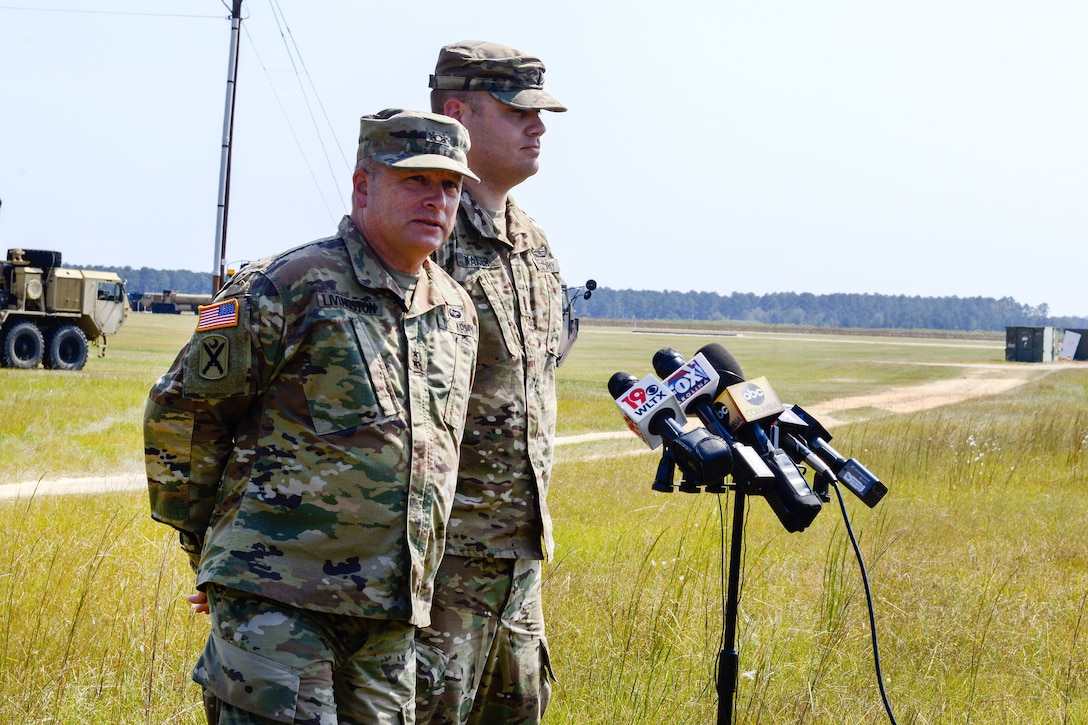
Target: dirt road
<point>976,381</point>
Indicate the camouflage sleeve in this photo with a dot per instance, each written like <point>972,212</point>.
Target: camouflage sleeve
<point>190,422</point>
<point>183,469</point>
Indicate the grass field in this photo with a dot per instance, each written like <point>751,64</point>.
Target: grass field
<point>976,556</point>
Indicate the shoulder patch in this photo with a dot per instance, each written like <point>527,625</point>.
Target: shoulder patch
<point>218,362</point>
<point>217,316</point>
<point>213,358</point>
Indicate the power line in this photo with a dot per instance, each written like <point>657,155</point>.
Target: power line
<point>290,126</point>
<point>298,67</point>
<point>84,11</point>
<point>309,79</point>
<point>277,13</point>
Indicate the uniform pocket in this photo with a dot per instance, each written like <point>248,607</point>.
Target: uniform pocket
<point>248,681</point>
<point>464,365</point>
<point>499,337</point>
<point>345,381</point>
<point>547,296</point>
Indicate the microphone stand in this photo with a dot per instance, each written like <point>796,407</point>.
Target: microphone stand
<point>728,659</point>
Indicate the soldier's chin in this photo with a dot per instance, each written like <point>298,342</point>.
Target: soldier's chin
<point>433,232</point>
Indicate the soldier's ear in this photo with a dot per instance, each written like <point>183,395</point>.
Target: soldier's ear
<point>360,184</point>
<point>454,108</point>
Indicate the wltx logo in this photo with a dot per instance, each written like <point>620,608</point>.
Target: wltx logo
<point>641,399</point>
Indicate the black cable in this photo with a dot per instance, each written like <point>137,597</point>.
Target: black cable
<point>869,603</point>
<point>722,568</point>
<point>292,53</point>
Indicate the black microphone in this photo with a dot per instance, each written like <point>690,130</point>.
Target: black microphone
<point>801,454</point>
<point>663,480</point>
<point>797,423</point>
<point>695,384</point>
<point>651,411</point>
<point>744,405</point>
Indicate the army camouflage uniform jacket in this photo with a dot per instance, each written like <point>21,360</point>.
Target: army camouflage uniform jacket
<point>500,509</point>
<point>307,452</point>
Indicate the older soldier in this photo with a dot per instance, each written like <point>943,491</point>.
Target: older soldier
<point>304,443</point>
<point>484,658</point>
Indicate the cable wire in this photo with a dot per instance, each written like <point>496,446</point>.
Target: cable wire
<point>869,602</point>
<point>723,567</point>
<point>290,126</point>
<point>285,34</point>
<point>71,11</point>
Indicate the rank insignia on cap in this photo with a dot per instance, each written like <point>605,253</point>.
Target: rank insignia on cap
<point>221,314</point>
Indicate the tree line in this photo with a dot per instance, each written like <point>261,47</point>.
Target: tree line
<point>145,279</point>
<point>841,310</point>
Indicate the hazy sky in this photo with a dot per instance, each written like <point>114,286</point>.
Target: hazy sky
<point>929,148</point>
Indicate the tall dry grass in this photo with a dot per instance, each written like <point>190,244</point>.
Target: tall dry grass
<point>976,556</point>
<point>977,559</point>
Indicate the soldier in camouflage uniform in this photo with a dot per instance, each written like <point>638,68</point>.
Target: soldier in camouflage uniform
<point>484,658</point>
<point>305,443</point>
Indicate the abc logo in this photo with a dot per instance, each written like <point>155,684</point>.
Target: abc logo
<point>753,394</point>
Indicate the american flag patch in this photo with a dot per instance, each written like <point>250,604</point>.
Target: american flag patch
<point>221,314</point>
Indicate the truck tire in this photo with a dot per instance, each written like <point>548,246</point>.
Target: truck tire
<point>40,258</point>
<point>23,346</point>
<point>67,349</point>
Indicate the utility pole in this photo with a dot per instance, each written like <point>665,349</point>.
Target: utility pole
<point>220,261</point>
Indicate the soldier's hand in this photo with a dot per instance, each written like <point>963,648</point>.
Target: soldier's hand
<point>198,602</point>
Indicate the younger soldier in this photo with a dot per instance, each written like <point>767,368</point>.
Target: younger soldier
<point>304,444</point>
<point>484,657</point>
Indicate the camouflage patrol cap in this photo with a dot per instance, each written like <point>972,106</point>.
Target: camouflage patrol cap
<point>509,75</point>
<point>415,140</point>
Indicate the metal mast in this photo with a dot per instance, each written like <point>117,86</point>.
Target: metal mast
<point>219,264</point>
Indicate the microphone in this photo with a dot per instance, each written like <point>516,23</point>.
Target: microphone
<point>649,408</point>
<point>745,405</point>
<point>651,411</point>
<point>695,384</point>
<point>800,453</point>
<point>798,424</point>
<point>750,402</point>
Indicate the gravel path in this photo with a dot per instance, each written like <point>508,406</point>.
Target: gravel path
<point>976,381</point>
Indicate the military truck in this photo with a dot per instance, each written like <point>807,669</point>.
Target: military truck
<point>168,302</point>
<point>48,312</point>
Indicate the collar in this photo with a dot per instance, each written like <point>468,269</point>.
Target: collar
<point>517,224</point>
